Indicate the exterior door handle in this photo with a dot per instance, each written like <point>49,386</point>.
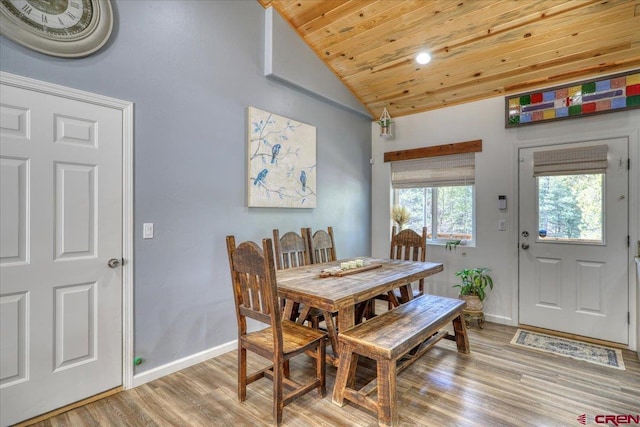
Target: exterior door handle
<point>113,263</point>
<point>525,246</point>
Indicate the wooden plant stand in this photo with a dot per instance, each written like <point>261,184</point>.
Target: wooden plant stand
<point>472,314</point>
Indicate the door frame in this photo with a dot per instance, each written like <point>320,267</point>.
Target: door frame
<point>587,135</point>
<point>126,109</point>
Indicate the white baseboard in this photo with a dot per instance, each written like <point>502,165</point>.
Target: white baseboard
<point>185,362</point>
<point>503,320</point>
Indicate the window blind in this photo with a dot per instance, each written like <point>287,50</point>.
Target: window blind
<point>570,161</point>
<point>440,171</point>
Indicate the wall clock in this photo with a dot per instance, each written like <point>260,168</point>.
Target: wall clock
<point>64,28</point>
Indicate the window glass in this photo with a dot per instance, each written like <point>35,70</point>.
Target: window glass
<point>418,202</point>
<point>570,208</point>
<point>448,210</point>
<point>455,212</point>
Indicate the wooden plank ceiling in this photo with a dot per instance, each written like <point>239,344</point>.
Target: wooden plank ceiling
<point>480,48</point>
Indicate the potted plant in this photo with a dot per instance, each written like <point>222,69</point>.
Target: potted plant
<point>474,282</point>
<point>385,124</point>
<point>385,127</point>
<point>452,244</point>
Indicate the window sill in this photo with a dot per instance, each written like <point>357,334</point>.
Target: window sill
<point>444,243</point>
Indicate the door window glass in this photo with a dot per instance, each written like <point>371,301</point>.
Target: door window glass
<point>570,208</point>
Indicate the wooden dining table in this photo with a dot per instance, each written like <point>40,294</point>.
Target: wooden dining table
<point>341,294</point>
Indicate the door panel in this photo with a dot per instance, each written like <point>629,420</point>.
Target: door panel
<point>14,361</point>
<point>61,206</point>
<point>576,285</point>
<point>75,220</point>
<point>591,276</point>
<point>75,334</point>
<point>13,210</point>
<point>548,282</point>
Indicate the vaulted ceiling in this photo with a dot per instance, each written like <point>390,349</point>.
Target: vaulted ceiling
<point>479,48</point>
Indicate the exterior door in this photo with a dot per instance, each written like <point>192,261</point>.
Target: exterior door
<point>61,223</point>
<point>573,261</point>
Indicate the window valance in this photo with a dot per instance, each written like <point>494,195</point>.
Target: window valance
<point>440,171</point>
<point>570,161</point>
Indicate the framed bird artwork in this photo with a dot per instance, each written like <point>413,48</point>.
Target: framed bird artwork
<point>282,161</point>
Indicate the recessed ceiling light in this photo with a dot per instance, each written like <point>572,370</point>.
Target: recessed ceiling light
<point>423,58</point>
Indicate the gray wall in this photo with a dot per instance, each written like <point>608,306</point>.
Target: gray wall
<point>192,68</point>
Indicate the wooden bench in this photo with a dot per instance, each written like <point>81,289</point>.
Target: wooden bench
<point>395,339</point>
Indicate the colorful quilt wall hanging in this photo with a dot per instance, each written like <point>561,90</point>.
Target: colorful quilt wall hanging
<point>601,95</point>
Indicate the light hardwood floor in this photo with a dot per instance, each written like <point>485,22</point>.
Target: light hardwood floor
<point>497,384</point>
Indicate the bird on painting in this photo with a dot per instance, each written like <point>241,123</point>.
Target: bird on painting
<point>261,177</point>
<point>303,180</point>
<point>274,152</point>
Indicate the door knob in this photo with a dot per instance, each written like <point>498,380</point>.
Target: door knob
<point>525,246</point>
<point>114,263</point>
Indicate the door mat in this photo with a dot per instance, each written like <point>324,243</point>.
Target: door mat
<point>592,353</point>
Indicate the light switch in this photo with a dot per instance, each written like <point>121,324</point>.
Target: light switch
<point>147,230</point>
<point>502,225</point>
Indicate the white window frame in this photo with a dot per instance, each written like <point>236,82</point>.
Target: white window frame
<point>434,219</point>
<point>572,161</point>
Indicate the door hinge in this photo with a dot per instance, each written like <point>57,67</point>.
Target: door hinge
<point>629,163</point>
<point>628,317</point>
<point>628,241</point>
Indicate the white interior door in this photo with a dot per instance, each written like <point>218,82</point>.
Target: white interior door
<point>573,237</point>
<point>61,223</point>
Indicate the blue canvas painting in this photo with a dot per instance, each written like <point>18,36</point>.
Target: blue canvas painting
<point>282,162</point>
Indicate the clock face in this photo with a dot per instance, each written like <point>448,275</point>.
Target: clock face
<point>57,20</point>
<point>67,28</point>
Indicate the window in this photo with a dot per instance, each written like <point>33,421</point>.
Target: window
<point>439,192</point>
<point>448,210</point>
<point>570,208</point>
<point>570,185</point>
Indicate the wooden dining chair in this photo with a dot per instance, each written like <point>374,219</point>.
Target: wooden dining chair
<point>409,246</point>
<point>322,246</point>
<point>253,276</point>
<point>291,250</point>
<point>322,249</point>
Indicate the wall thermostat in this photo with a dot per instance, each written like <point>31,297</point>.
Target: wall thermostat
<point>502,202</point>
